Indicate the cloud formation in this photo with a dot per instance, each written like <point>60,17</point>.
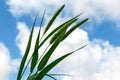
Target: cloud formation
<point>5,66</point>
<point>8,66</point>
<point>100,10</point>
<point>98,61</point>
<point>22,37</point>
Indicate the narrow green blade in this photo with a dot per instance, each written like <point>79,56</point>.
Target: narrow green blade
<point>46,57</point>
<point>59,74</point>
<point>26,53</point>
<point>53,18</point>
<point>55,30</point>
<point>75,27</point>
<point>35,53</point>
<point>53,64</point>
<point>51,77</point>
<point>61,30</point>
<point>32,77</point>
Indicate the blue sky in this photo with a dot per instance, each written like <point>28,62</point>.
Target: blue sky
<point>102,33</point>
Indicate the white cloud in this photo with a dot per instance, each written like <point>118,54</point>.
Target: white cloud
<point>22,37</point>
<point>97,9</point>
<point>98,61</point>
<point>66,78</point>
<point>5,66</point>
<point>18,7</point>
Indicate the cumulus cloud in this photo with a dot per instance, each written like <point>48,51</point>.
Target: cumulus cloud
<point>98,61</point>
<point>5,66</point>
<point>97,9</point>
<point>22,37</point>
<point>19,8</point>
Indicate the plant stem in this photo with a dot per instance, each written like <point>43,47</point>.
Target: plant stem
<point>43,53</point>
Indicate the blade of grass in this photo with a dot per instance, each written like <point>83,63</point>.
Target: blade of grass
<point>59,74</point>
<point>42,23</point>
<point>53,18</point>
<point>75,27</point>
<point>32,77</point>
<point>35,53</point>
<point>26,53</point>
<point>45,70</point>
<point>46,57</point>
<point>55,30</point>
<point>36,47</point>
<point>51,76</point>
<point>61,30</point>
<point>43,53</point>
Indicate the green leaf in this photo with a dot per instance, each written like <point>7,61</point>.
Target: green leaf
<point>46,57</point>
<point>53,18</point>
<point>26,53</point>
<point>32,77</point>
<point>75,27</point>
<point>45,70</point>
<point>61,30</point>
<point>51,76</point>
<point>35,53</point>
<point>59,74</point>
<point>42,19</point>
<point>56,29</point>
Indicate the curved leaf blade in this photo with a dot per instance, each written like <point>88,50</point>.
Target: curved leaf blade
<point>35,53</point>
<point>53,64</point>
<point>75,27</point>
<point>61,30</point>
<point>51,76</point>
<point>32,77</point>
<point>34,57</point>
<point>55,30</point>
<point>53,18</point>
<point>26,52</point>
<point>46,57</point>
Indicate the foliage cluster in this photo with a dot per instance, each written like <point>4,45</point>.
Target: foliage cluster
<point>38,65</point>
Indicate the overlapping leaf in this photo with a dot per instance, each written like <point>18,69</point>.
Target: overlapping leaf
<point>55,30</point>
<point>75,27</point>
<point>53,64</point>
<point>57,36</point>
<point>26,53</point>
<point>46,57</point>
<point>61,30</point>
<point>53,18</point>
<point>35,53</point>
